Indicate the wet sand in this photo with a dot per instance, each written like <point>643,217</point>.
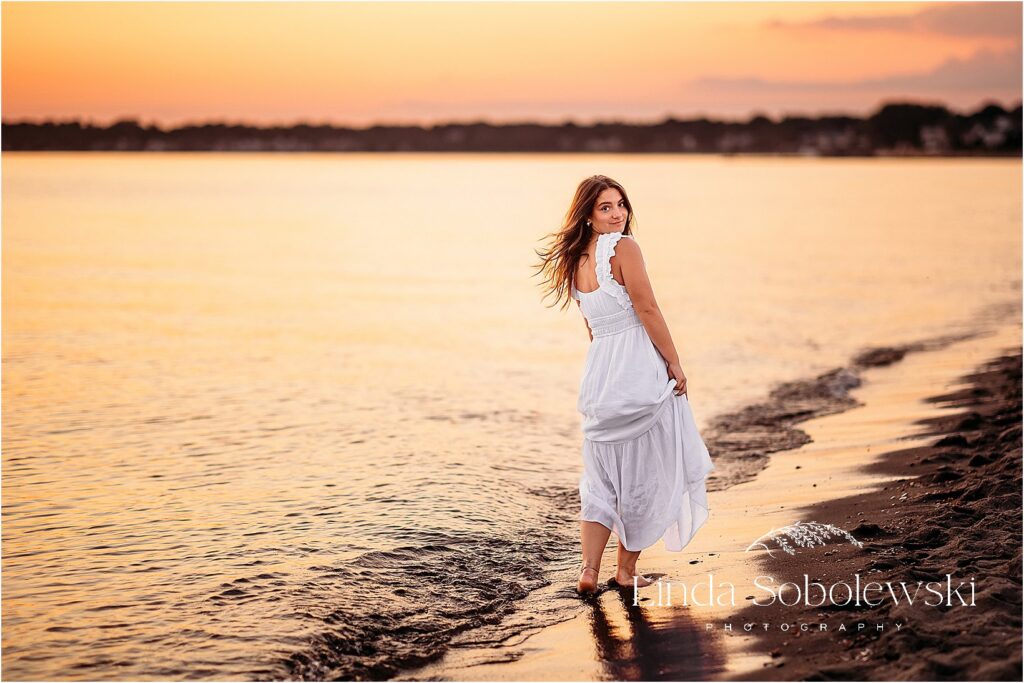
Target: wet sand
<point>838,475</point>
<point>953,511</point>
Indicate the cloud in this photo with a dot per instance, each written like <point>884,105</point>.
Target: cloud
<point>985,70</point>
<point>960,19</point>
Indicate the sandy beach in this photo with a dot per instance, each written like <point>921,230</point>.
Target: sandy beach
<point>929,441</point>
<point>953,510</point>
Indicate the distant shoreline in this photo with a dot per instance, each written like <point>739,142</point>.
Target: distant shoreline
<point>896,129</point>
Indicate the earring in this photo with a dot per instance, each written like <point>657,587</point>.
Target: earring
<point>589,225</point>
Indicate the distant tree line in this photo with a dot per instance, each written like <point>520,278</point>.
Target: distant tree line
<point>895,129</point>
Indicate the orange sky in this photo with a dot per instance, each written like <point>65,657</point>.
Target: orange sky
<point>397,62</point>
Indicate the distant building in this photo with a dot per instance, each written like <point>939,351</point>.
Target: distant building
<point>934,139</point>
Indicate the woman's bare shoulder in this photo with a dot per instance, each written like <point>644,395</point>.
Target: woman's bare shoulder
<point>628,248</point>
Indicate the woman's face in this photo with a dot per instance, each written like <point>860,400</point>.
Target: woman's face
<point>610,211</point>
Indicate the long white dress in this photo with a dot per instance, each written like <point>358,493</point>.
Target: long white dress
<point>644,462</point>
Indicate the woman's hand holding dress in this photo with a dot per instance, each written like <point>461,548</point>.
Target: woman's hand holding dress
<point>675,371</point>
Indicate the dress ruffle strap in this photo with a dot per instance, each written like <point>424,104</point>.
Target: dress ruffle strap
<point>605,250</point>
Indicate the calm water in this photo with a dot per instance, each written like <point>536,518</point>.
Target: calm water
<point>306,415</point>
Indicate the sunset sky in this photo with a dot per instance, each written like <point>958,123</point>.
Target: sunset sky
<point>360,63</point>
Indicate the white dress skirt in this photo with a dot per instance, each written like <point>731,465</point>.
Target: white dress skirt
<point>644,462</point>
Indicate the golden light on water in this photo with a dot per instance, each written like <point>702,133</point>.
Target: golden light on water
<point>225,376</point>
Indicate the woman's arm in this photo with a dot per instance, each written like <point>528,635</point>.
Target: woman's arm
<point>638,285</point>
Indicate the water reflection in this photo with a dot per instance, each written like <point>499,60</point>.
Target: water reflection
<point>648,641</point>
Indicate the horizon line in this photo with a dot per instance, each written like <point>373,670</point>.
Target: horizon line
<point>491,121</point>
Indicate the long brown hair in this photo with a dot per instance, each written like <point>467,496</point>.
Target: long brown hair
<point>562,257</point>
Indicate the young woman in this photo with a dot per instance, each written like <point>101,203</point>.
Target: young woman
<point>644,462</point>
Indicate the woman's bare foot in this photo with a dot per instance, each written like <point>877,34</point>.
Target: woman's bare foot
<point>588,580</point>
<point>624,577</point>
